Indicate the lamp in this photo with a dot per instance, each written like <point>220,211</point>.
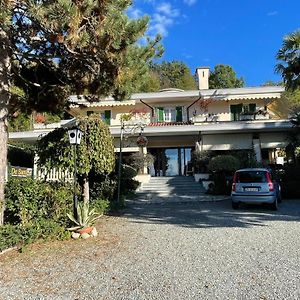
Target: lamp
<point>75,135</point>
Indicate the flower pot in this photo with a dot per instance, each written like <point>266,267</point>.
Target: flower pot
<point>85,230</point>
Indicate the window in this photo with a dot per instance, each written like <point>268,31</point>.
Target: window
<point>238,109</point>
<point>106,116</point>
<point>169,114</point>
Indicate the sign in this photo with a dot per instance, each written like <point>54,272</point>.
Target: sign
<point>20,172</point>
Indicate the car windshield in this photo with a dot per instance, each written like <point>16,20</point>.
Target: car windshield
<point>251,176</point>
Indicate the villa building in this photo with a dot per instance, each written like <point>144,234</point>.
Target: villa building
<point>176,122</point>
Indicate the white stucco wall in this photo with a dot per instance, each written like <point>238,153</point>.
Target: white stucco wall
<point>227,141</point>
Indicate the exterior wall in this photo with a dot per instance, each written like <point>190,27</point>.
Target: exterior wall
<point>273,140</point>
<point>219,108</point>
<point>227,141</point>
<point>222,108</point>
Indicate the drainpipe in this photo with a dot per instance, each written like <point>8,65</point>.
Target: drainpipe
<point>151,107</point>
<point>188,108</point>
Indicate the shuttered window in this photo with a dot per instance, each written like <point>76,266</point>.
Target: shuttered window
<point>160,114</point>
<point>178,114</point>
<point>106,116</point>
<point>235,111</point>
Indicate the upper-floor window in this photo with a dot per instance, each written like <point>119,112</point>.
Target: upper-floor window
<point>238,109</point>
<point>169,114</point>
<point>105,115</point>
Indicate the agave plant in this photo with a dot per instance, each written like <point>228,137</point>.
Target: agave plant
<point>85,216</point>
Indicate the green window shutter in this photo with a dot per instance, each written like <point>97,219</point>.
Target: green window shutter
<point>235,111</point>
<point>252,107</point>
<point>178,114</point>
<point>160,114</point>
<point>107,116</point>
<point>232,112</point>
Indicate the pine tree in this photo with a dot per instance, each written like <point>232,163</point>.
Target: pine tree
<point>54,48</point>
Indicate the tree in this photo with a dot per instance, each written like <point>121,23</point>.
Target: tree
<point>224,77</point>
<point>51,49</point>
<point>173,74</point>
<point>286,104</point>
<point>289,54</point>
<point>95,152</point>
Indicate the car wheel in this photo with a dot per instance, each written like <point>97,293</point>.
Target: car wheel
<point>235,205</point>
<point>279,198</point>
<point>274,205</point>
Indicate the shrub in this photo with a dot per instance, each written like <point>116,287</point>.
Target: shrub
<point>101,206</point>
<point>223,163</point>
<point>103,188</point>
<point>223,167</point>
<point>139,160</point>
<point>20,236</point>
<point>28,201</point>
<point>200,160</point>
<point>128,172</point>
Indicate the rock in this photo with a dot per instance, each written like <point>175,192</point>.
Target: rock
<point>75,235</point>
<point>94,232</point>
<point>85,236</point>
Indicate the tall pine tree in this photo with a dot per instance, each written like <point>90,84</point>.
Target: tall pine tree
<point>54,48</point>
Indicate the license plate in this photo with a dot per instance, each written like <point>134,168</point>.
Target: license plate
<point>251,189</point>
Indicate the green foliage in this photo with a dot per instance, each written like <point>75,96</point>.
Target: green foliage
<point>28,201</point>
<point>85,216</point>
<point>104,188</point>
<point>81,47</point>
<point>224,163</point>
<point>96,151</point>
<point>289,55</point>
<point>22,235</point>
<point>139,160</point>
<point>101,206</point>
<point>128,171</point>
<point>224,76</point>
<point>200,160</point>
<point>173,74</point>
<point>246,158</point>
<point>22,122</point>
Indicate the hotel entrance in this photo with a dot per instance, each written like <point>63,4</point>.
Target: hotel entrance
<point>171,161</point>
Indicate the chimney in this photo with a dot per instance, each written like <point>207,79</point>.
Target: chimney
<point>202,76</point>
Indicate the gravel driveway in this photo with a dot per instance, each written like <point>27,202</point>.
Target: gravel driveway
<point>171,251</point>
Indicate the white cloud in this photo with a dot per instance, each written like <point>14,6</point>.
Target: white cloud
<point>160,24</point>
<point>272,13</point>
<point>167,9</point>
<point>189,2</point>
<point>134,13</point>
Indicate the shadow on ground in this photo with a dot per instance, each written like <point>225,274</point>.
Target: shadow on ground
<point>210,214</point>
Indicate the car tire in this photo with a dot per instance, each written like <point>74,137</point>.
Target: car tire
<point>274,205</point>
<point>235,205</point>
<point>279,198</point>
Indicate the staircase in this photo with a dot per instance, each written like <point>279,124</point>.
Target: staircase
<point>179,188</point>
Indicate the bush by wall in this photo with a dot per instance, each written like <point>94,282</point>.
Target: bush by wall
<point>223,163</point>
<point>35,210</point>
<point>28,201</point>
<point>223,167</point>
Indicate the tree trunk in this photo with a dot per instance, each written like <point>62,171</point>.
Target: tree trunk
<point>86,189</point>
<point>4,99</point>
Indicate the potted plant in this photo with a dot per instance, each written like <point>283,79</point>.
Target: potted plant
<point>200,160</point>
<point>84,220</point>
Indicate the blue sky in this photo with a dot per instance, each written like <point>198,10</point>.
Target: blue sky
<point>245,34</point>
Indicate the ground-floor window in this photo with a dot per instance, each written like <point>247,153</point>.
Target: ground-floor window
<point>171,161</point>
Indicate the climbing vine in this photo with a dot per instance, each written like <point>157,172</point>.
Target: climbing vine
<point>95,152</point>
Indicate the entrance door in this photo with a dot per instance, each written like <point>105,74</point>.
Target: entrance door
<point>170,161</point>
